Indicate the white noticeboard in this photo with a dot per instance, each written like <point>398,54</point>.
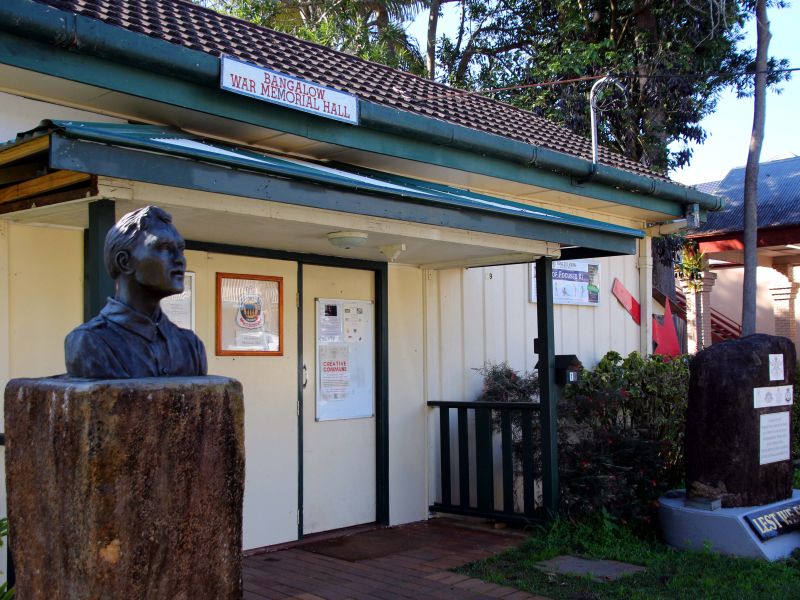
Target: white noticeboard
<point>179,308</point>
<point>345,359</point>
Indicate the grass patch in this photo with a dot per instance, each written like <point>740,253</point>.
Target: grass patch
<point>670,575</point>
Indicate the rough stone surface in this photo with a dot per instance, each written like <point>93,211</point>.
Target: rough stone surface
<point>125,488</point>
<point>723,428</point>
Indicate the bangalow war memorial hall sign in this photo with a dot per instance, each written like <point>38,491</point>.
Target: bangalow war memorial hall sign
<point>271,86</point>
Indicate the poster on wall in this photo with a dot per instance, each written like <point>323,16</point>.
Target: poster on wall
<point>249,315</point>
<point>179,308</point>
<point>574,282</point>
<point>345,359</point>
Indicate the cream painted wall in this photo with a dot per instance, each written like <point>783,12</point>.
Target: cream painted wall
<point>45,287</point>
<point>726,296</point>
<point>19,114</point>
<point>270,397</point>
<point>408,493</point>
<point>41,300</point>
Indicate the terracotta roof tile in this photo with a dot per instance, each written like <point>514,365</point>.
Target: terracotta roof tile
<point>186,24</point>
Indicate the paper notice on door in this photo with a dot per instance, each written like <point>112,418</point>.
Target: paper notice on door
<point>334,373</point>
<point>354,323</point>
<point>330,322</point>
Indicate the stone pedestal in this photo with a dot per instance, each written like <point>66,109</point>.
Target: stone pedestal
<point>734,453</point>
<point>125,488</point>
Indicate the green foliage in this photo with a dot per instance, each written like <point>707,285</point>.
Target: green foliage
<point>691,264</point>
<point>621,435</point>
<point>669,574</point>
<point>5,593</point>
<point>501,383</point>
<point>370,30</point>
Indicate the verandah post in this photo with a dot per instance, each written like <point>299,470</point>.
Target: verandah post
<point>547,394</point>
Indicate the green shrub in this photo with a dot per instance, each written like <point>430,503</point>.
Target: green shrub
<point>621,435</point>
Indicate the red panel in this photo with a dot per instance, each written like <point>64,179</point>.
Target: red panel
<point>665,336</point>
<point>628,302</point>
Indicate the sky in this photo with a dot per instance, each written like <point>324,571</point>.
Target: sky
<point>730,126</point>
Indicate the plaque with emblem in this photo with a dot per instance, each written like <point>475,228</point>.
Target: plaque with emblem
<point>249,315</point>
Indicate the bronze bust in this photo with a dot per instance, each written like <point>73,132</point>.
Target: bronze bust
<point>131,337</point>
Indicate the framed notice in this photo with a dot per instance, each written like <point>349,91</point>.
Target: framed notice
<point>179,308</point>
<point>249,315</point>
<point>574,282</point>
<point>345,359</point>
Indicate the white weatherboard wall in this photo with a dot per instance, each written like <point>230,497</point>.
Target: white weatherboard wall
<point>475,316</point>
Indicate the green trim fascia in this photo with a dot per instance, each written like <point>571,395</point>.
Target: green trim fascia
<point>155,138</point>
<point>151,167</point>
<point>118,44</point>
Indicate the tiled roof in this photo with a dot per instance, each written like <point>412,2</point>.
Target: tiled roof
<point>192,26</point>
<point>778,198</point>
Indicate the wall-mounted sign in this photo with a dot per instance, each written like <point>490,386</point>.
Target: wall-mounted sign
<point>345,359</point>
<point>249,315</point>
<point>271,86</point>
<point>574,282</point>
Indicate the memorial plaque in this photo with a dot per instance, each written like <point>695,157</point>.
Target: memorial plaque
<point>774,437</point>
<point>775,367</point>
<point>768,397</point>
<point>774,521</point>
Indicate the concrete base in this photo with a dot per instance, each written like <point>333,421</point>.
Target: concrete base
<point>725,530</point>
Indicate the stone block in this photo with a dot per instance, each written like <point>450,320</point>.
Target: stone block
<point>125,488</point>
<point>724,428</point>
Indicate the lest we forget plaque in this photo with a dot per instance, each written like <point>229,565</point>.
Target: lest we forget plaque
<point>125,477</point>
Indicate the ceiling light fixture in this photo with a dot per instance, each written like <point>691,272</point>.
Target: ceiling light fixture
<point>347,239</point>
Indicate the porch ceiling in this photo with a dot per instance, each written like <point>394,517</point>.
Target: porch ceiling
<point>274,226</point>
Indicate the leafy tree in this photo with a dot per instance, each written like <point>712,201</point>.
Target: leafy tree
<point>369,29</point>
<point>674,58</point>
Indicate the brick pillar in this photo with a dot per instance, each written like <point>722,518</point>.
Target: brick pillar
<point>783,301</point>
<point>698,312</point>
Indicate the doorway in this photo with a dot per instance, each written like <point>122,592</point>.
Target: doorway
<point>339,433</point>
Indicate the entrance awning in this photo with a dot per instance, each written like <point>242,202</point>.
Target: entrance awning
<point>171,157</point>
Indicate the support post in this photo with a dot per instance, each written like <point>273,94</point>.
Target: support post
<point>783,303</point>
<point>698,312</point>
<point>545,347</point>
<point>98,284</point>
<point>646,296</point>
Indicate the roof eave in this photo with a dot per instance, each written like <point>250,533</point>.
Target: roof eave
<point>76,32</point>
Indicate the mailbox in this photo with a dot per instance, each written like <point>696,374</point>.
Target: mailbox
<point>567,367</point>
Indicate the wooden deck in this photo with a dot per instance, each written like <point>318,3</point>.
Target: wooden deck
<point>411,561</point>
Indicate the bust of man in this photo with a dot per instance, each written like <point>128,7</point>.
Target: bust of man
<point>131,337</point>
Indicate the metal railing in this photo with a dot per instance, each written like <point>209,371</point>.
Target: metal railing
<point>516,425</point>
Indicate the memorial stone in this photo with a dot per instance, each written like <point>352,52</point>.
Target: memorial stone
<point>738,422</point>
